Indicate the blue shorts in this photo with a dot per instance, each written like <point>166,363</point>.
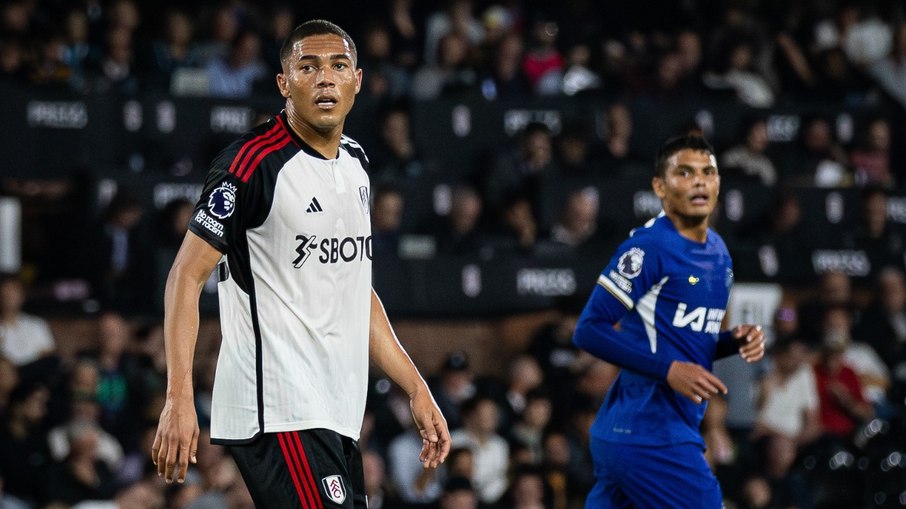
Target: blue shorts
<point>639,477</point>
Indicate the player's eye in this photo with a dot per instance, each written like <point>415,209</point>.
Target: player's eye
<point>307,68</point>
<point>339,66</point>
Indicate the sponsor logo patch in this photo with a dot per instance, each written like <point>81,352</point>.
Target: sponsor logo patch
<point>333,486</point>
<point>630,263</point>
<point>222,202</point>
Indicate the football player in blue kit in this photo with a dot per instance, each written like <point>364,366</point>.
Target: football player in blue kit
<point>666,289</point>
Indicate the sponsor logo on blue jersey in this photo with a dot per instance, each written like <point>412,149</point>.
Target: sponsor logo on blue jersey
<point>700,319</point>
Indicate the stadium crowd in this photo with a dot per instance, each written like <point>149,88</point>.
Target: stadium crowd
<point>820,425</point>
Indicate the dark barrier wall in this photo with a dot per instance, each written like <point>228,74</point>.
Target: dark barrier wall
<point>160,147</point>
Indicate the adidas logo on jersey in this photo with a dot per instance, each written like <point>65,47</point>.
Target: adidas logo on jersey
<point>314,207</point>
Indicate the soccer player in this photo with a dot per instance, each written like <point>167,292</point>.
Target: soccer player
<point>667,286</point>
<point>284,216</point>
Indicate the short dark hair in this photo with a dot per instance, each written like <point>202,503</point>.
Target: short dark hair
<point>674,145</point>
<point>315,27</point>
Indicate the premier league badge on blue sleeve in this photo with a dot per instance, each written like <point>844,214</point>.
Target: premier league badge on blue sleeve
<point>222,201</point>
<point>630,263</point>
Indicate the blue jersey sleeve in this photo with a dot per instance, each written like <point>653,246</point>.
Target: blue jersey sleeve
<point>632,273</point>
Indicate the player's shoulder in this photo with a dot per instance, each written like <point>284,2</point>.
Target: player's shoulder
<point>354,149</point>
<point>246,154</point>
<point>650,233</point>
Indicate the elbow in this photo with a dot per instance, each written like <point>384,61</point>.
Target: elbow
<point>580,335</point>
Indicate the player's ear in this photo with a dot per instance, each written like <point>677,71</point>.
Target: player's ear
<point>358,80</point>
<point>281,85</point>
<point>657,184</point>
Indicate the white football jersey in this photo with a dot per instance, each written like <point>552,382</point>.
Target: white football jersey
<point>295,284</point>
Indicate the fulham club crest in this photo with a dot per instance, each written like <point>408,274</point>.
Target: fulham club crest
<point>363,196</point>
<point>333,486</point>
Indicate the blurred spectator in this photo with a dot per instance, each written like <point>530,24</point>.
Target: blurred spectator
<point>543,64</point>
<point>834,288</point>
<point>882,240</point>
<point>874,378</point>
<point>455,18</point>
<point>78,49</point>
<point>870,159</point>
<point>120,260</point>
<point>24,338</point>
<point>615,133</point>
<point>577,226</point>
<point>9,379</point>
<point>82,475</point>
<point>279,22</point>
<point>386,218</point>
<point>172,50</point>
<point>862,36</point>
<point>413,483</point>
<point>735,71</point>
<point>842,406</point>
<point>787,408</point>
<point>376,59</point>
<point>451,75</point>
<point>528,428</point>
<point>120,389</point>
<point>23,443</point>
<point>235,75</point>
<point>504,77</point>
<point>516,228</point>
<point>221,30</point>
<point>527,490</point>
<point>50,68</point>
<point>524,376</point>
<point>458,494</point>
<point>890,71</point>
<point>574,153</point>
<point>578,76</point>
<point>376,483</point>
<point>490,452</point>
<point>453,386</point>
<point>13,60</point>
<point>817,159</point>
<point>521,169</point>
<point>749,158</point>
<point>396,158</point>
<point>460,232</point>
<point>115,70</point>
<point>84,410</point>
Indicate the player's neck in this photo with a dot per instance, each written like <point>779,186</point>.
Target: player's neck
<point>694,229</point>
<point>325,143</point>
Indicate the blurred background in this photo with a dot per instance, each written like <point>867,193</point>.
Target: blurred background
<point>511,148</point>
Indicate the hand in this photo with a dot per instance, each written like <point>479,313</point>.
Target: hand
<point>432,427</point>
<point>751,341</point>
<point>176,442</point>
<point>694,381</point>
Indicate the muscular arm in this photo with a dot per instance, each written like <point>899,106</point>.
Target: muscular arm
<point>595,334</point>
<point>177,433</point>
<point>388,355</point>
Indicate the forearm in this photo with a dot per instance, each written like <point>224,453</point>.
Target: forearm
<point>181,321</point>
<point>726,345</point>
<point>600,339</point>
<point>388,354</point>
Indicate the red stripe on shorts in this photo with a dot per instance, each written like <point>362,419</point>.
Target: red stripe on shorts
<point>292,464</point>
<point>307,471</point>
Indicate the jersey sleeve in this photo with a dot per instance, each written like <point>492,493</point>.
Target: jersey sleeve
<point>224,203</point>
<point>625,280</point>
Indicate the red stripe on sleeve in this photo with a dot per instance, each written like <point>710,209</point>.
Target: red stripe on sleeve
<point>291,463</point>
<point>252,145</point>
<point>250,169</point>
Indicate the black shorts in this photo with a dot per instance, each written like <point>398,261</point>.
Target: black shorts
<point>307,469</point>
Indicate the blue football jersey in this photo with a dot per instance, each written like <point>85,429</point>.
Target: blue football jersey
<point>669,294</point>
